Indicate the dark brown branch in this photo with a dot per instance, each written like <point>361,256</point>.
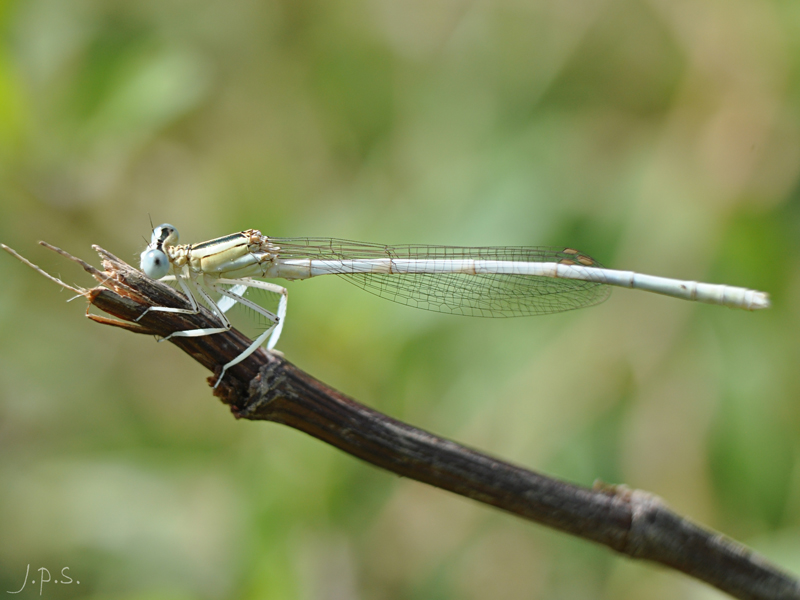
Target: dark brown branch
<point>268,387</point>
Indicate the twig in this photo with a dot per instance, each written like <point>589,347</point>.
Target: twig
<point>268,387</point>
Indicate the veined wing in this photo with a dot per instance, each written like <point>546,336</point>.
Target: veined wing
<point>482,295</point>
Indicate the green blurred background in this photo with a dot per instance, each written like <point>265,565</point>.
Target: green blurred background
<point>661,136</point>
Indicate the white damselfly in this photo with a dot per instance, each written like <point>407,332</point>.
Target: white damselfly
<point>511,281</point>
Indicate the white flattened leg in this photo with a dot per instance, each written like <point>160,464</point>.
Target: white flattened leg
<point>234,294</point>
<point>183,311</point>
<point>195,332</point>
<point>186,285</point>
<point>212,304</point>
<point>268,287</point>
<point>225,303</point>
<point>250,349</point>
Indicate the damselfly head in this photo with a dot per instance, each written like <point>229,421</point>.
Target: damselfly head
<point>154,261</point>
<point>164,234</point>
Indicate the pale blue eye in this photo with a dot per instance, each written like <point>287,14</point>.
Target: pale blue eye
<point>164,233</point>
<point>154,263</point>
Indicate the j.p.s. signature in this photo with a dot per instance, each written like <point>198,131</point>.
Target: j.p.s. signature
<point>44,577</point>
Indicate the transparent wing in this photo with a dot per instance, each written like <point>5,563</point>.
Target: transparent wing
<point>482,295</point>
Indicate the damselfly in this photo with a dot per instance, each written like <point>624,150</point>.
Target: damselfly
<point>510,281</point>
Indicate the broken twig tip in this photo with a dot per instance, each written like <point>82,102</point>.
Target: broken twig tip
<point>78,290</point>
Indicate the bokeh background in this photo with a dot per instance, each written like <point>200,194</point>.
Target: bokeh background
<point>656,135</point>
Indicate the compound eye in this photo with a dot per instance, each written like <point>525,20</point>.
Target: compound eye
<point>164,233</point>
<point>154,263</point>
